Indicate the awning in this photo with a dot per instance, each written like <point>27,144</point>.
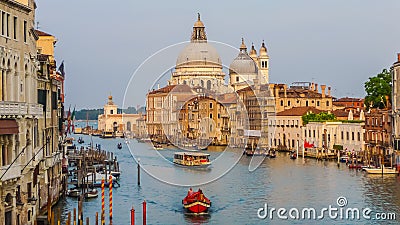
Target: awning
<point>8,127</point>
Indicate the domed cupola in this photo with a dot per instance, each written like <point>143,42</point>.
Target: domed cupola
<point>243,63</point>
<point>198,53</point>
<point>198,64</point>
<point>243,69</point>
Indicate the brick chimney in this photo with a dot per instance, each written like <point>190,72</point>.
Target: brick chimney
<point>398,57</point>
<point>316,88</point>
<point>312,87</point>
<point>329,91</point>
<point>323,86</point>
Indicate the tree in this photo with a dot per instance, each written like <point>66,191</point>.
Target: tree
<point>320,117</point>
<point>378,88</point>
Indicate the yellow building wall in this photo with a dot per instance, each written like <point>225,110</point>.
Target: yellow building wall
<point>24,2</point>
<point>45,45</point>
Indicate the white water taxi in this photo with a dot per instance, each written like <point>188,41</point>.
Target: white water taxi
<point>195,159</point>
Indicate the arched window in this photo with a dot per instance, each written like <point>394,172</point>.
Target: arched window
<point>306,103</point>
<point>128,126</point>
<point>209,84</point>
<point>281,102</point>
<point>202,83</point>
<point>115,126</point>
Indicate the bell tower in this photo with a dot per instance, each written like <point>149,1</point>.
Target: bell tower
<point>263,63</point>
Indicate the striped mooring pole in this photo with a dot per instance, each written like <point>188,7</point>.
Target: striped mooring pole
<point>132,216</point>
<point>110,195</point>
<point>144,213</point>
<point>102,203</point>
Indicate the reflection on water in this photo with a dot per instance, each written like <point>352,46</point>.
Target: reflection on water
<point>236,196</point>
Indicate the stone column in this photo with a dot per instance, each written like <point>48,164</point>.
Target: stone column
<point>1,86</point>
<point>4,76</point>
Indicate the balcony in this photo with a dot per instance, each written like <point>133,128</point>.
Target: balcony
<point>20,109</point>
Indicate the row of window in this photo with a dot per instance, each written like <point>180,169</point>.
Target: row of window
<point>291,143</point>
<point>289,123</point>
<point>306,103</point>
<point>376,121</point>
<point>10,26</point>
<point>311,133</point>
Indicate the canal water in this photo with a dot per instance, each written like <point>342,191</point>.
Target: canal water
<point>236,193</point>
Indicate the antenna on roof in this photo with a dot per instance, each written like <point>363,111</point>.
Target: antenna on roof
<point>37,25</point>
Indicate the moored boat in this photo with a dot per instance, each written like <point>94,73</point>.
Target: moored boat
<point>344,159</point>
<point>119,146</point>
<point>80,140</point>
<point>293,155</point>
<point>93,193</point>
<point>195,159</point>
<point>355,166</point>
<point>381,171</point>
<point>73,192</point>
<point>272,154</point>
<point>157,147</point>
<point>196,202</point>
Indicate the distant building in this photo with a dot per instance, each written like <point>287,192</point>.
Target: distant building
<point>288,126</point>
<point>325,135</point>
<point>347,104</point>
<point>117,124</point>
<point>396,103</point>
<point>378,132</point>
<point>301,94</point>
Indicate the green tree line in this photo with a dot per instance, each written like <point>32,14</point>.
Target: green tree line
<point>92,114</point>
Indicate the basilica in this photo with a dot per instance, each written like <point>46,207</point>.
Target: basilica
<point>197,104</point>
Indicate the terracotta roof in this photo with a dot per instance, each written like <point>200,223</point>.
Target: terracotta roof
<point>229,98</point>
<point>340,113</point>
<point>263,87</point>
<point>347,99</point>
<point>299,111</point>
<point>174,88</point>
<point>41,33</point>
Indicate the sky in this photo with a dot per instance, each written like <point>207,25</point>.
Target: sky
<point>339,43</point>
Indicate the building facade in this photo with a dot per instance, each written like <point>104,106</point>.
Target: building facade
<point>378,134</point>
<point>115,123</point>
<point>301,94</point>
<point>288,125</point>
<point>30,114</point>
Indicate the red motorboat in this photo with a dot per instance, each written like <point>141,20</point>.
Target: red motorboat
<point>196,202</point>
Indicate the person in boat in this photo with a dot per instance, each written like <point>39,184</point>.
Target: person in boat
<point>201,195</point>
<point>190,192</point>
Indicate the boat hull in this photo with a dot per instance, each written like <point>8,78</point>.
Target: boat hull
<point>379,171</point>
<point>197,207</point>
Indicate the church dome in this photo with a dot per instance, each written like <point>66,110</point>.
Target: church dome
<point>243,63</point>
<point>198,54</point>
